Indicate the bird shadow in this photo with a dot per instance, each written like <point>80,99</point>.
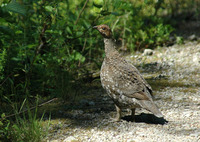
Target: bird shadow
<point>146,118</point>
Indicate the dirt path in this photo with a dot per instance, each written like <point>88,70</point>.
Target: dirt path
<point>173,72</point>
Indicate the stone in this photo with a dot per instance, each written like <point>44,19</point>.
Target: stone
<point>192,37</point>
<point>148,52</point>
<point>70,139</point>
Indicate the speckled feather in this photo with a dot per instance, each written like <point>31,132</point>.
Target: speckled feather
<point>122,81</point>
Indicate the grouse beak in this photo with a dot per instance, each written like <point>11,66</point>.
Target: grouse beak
<point>95,27</point>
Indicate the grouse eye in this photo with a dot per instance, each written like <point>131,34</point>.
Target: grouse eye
<point>103,28</point>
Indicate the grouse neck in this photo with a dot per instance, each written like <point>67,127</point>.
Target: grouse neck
<point>109,46</point>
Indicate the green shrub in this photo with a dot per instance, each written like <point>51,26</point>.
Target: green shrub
<point>136,23</point>
<point>4,128</point>
<point>2,62</point>
<point>28,130</point>
<point>25,128</point>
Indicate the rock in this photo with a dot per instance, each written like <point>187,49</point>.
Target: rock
<point>91,103</point>
<point>192,37</point>
<point>148,52</point>
<point>85,102</point>
<point>196,59</point>
<point>70,139</point>
<point>54,141</point>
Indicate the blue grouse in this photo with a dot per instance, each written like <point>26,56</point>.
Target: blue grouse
<point>122,81</point>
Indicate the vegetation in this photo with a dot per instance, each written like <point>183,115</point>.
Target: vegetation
<point>48,48</point>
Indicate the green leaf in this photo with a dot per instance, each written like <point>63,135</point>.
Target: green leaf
<point>69,30</point>
<point>117,3</point>
<point>16,59</point>
<point>2,20</point>
<point>3,115</point>
<point>49,8</point>
<point>31,45</point>
<point>82,59</point>
<point>86,23</point>
<point>128,29</point>
<point>77,56</point>
<point>97,5</point>
<point>6,30</point>
<point>16,75</point>
<point>16,7</point>
<point>18,32</point>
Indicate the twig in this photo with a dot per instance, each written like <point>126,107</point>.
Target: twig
<point>42,38</point>
<point>81,11</point>
<point>6,79</point>
<point>31,108</point>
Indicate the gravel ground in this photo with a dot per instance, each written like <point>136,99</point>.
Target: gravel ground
<point>174,73</point>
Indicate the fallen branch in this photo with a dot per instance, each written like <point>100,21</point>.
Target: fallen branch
<point>31,108</point>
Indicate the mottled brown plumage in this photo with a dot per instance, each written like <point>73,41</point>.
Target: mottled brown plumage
<point>122,81</point>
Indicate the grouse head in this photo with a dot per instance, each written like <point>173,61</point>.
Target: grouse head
<point>104,30</point>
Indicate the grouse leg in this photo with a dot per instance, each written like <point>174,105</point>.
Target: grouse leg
<point>118,116</point>
<point>133,114</point>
